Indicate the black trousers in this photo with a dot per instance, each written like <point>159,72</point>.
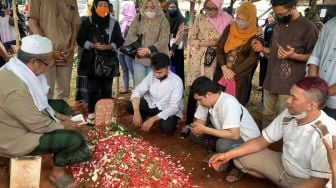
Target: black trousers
<point>167,126</point>
<point>178,62</point>
<point>98,88</point>
<point>191,108</point>
<point>263,70</point>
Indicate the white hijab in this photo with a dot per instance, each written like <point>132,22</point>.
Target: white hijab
<point>37,85</point>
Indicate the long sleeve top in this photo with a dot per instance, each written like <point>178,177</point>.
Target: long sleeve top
<point>166,95</point>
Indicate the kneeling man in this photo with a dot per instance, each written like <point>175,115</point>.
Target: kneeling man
<point>304,161</point>
<point>229,125</point>
<point>158,97</point>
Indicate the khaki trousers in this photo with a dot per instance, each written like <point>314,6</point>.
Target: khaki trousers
<point>274,104</point>
<point>59,78</point>
<point>266,163</point>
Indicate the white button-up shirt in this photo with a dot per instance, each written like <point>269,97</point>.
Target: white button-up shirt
<point>166,95</point>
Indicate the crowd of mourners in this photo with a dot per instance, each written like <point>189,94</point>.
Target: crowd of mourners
<point>215,65</point>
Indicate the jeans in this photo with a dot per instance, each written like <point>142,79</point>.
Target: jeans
<point>140,72</point>
<point>167,126</point>
<point>216,144</point>
<point>126,63</point>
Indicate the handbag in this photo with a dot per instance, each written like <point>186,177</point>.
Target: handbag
<point>131,49</point>
<point>209,57</point>
<point>106,66</point>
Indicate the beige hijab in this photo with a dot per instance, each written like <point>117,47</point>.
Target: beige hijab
<point>159,14</point>
<point>155,31</point>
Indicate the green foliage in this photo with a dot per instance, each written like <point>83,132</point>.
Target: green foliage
<point>119,130</point>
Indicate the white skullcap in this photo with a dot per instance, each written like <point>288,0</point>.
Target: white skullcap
<point>36,44</point>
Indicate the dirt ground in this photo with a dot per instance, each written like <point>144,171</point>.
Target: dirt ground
<point>185,151</point>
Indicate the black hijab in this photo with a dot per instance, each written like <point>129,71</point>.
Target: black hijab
<point>102,23</point>
<point>176,20</point>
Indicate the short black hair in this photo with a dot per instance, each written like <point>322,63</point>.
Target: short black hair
<point>202,85</point>
<point>285,3</point>
<point>159,61</point>
<point>25,57</point>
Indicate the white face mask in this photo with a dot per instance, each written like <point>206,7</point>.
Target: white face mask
<point>149,15</point>
<point>241,24</point>
<point>300,115</point>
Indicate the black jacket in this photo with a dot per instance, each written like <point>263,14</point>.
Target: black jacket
<point>88,32</point>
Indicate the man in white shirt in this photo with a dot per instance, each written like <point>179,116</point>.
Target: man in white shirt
<point>230,123</point>
<point>158,96</point>
<point>303,162</point>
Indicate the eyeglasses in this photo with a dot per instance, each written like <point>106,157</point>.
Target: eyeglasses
<point>42,62</point>
<point>214,9</point>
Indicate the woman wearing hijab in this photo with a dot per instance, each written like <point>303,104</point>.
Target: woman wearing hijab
<point>93,36</point>
<point>128,11</point>
<point>235,57</point>
<point>176,24</point>
<point>152,24</point>
<point>204,33</point>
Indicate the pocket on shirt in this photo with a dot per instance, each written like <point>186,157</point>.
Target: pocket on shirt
<point>68,11</point>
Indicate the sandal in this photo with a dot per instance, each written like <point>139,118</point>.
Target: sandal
<point>234,175</point>
<point>64,181</point>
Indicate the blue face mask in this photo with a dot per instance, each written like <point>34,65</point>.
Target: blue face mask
<point>172,11</point>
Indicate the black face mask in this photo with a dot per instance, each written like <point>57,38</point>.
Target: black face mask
<point>284,19</point>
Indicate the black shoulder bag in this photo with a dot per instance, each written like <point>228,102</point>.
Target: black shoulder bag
<point>131,49</point>
<point>209,57</point>
<point>107,66</point>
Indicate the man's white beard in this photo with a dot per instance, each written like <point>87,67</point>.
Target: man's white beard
<point>300,115</point>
